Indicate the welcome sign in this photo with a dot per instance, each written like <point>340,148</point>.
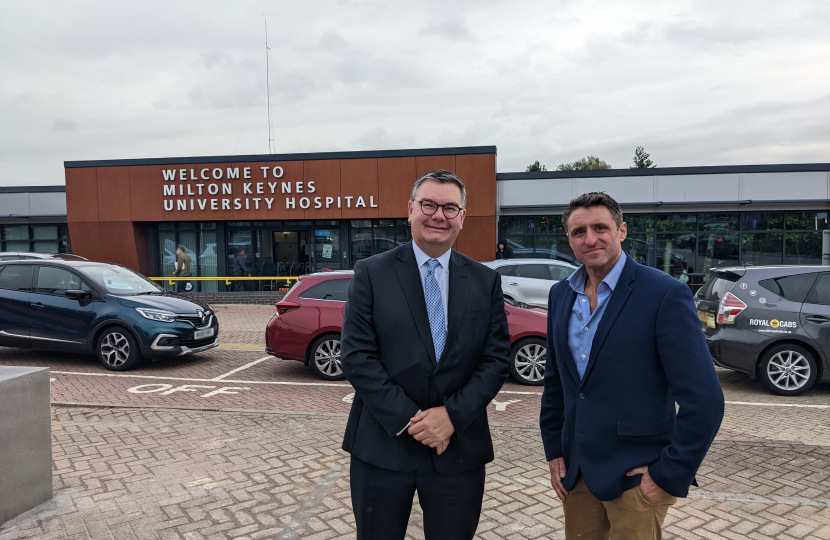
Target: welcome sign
<point>249,188</point>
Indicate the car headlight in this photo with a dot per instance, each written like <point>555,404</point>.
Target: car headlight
<point>157,315</point>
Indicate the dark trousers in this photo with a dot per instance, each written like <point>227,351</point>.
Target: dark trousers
<point>382,501</point>
<point>181,286</point>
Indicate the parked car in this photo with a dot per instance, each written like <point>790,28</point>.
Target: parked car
<point>306,328</point>
<point>100,308</point>
<point>770,322</point>
<point>529,280</point>
<point>24,255</point>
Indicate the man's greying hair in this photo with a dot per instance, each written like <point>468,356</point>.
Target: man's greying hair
<point>595,198</point>
<point>442,176</point>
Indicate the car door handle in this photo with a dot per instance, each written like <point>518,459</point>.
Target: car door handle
<point>818,319</point>
<point>512,283</point>
<point>37,305</point>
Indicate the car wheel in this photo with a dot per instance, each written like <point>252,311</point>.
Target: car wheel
<point>788,369</point>
<point>117,350</point>
<point>325,358</point>
<point>527,361</point>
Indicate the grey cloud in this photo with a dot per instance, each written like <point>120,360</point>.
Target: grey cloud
<point>65,125</point>
<point>453,29</point>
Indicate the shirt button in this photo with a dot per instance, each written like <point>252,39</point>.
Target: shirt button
<point>583,356</point>
<point>586,328</point>
<point>583,300</point>
<point>581,396</point>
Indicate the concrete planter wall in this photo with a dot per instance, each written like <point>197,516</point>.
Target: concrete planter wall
<point>25,440</point>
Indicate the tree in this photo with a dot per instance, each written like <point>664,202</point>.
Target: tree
<point>641,159</point>
<point>536,167</point>
<point>589,163</point>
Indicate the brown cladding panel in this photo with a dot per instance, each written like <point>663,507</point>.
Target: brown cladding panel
<point>326,177</point>
<point>478,172</point>
<point>249,211</point>
<point>395,179</point>
<point>359,177</point>
<point>430,163</point>
<point>292,172</point>
<point>147,193</point>
<point>114,198</point>
<point>478,238</point>
<point>81,195</point>
<point>142,249</point>
<point>86,240</point>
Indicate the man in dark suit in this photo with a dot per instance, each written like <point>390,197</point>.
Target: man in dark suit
<point>624,345</point>
<point>425,344</point>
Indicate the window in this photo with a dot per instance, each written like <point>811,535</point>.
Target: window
<point>506,270</point>
<point>51,280</point>
<point>372,236</point>
<point>532,271</point>
<point>331,289</point>
<point>793,288</point>
<point>821,293</point>
<point>16,277</point>
<point>558,273</point>
<point>719,286</point>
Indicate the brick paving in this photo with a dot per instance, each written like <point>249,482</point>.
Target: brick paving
<point>183,474</point>
<point>263,462</point>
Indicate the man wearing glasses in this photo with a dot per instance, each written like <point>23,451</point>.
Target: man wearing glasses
<point>425,344</point>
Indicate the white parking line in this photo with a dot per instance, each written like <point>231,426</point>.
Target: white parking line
<point>347,385</point>
<point>246,366</point>
<point>757,404</point>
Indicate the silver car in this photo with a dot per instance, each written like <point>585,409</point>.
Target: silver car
<point>530,280</point>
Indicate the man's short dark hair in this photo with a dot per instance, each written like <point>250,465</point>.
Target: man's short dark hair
<point>442,176</point>
<point>594,198</point>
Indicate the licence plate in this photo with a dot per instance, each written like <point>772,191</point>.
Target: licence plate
<point>708,318</point>
<point>207,332</point>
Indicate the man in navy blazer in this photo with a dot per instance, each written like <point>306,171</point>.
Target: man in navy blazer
<point>624,346</point>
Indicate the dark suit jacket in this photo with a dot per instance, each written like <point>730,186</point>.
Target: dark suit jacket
<point>648,353</point>
<point>388,356</point>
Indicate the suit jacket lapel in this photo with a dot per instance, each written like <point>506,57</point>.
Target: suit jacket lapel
<point>457,300</point>
<point>564,309</point>
<point>612,310</point>
<point>410,279</point>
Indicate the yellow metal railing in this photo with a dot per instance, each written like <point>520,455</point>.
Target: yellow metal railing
<point>228,279</point>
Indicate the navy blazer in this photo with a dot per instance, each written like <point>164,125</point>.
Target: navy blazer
<point>389,358</point>
<point>648,354</point>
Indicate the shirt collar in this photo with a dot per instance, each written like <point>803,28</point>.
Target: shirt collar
<point>577,279</point>
<point>422,258</point>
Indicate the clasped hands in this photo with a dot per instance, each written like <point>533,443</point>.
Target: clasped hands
<point>433,428</point>
<point>652,491</point>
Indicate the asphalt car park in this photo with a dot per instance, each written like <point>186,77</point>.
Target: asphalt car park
<point>239,374</point>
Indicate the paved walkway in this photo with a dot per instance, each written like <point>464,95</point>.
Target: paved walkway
<point>131,473</point>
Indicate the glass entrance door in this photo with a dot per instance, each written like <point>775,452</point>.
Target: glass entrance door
<point>291,252</point>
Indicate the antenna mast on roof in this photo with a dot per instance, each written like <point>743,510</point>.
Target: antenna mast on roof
<point>268,89</point>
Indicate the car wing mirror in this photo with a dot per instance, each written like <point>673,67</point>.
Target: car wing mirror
<point>78,295</point>
<point>506,313</point>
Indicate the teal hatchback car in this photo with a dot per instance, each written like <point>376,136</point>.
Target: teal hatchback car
<point>100,308</point>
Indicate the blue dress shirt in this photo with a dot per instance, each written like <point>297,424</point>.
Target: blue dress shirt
<point>582,326</point>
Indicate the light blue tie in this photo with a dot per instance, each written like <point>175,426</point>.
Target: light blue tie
<point>435,310</point>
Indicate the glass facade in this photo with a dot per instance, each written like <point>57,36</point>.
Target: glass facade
<point>199,241</point>
<point>687,242</point>
<point>369,237</point>
<point>41,238</point>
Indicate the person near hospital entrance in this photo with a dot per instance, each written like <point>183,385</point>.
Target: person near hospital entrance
<point>503,252</point>
<point>624,345</point>
<point>182,269</point>
<point>425,345</point>
<point>240,269</point>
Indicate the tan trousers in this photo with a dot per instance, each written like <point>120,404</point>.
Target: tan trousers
<point>630,517</point>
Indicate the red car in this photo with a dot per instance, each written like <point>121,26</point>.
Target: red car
<point>306,328</point>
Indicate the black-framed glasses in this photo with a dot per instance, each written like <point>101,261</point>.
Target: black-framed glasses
<point>428,207</point>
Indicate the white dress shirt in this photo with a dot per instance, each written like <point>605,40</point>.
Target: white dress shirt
<point>442,275</point>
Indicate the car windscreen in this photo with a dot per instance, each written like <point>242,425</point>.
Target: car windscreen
<point>119,280</point>
<point>718,285</point>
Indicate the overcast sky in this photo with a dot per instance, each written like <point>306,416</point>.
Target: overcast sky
<point>696,82</point>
